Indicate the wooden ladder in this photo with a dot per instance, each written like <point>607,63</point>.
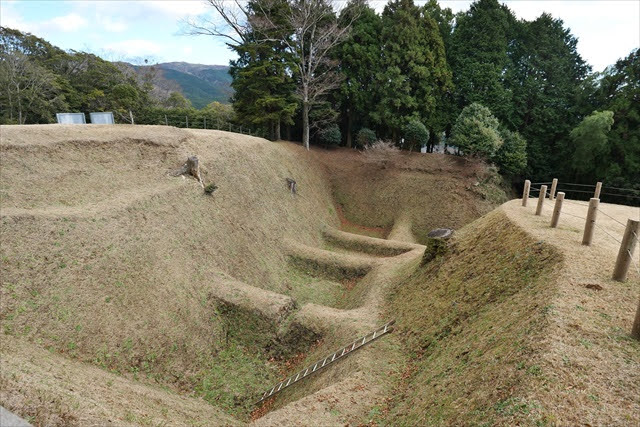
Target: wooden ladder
<point>323,363</point>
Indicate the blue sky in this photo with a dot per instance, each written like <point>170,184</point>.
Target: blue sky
<point>607,30</point>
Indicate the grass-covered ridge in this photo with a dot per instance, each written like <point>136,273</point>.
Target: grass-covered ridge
<point>469,319</point>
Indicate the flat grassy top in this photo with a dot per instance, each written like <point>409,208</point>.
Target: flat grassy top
<point>591,361</point>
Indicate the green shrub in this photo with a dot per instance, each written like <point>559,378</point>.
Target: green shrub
<point>330,135</point>
<point>365,137</point>
<point>415,134</point>
<point>511,157</point>
<point>475,131</point>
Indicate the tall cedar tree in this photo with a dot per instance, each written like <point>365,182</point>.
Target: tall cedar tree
<point>416,74</point>
<point>619,92</point>
<point>545,80</point>
<point>479,59</point>
<point>446,112</point>
<point>264,87</point>
<point>359,58</point>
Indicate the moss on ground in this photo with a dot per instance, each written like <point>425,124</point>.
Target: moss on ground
<point>469,320</point>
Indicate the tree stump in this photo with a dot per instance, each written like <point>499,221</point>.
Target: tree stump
<point>436,244</point>
<point>191,167</point>
<point>291,184</point>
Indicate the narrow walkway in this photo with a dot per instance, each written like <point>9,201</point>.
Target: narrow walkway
<point>589,356</point>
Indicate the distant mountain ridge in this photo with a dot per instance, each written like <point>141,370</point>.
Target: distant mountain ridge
<point>201,84</point>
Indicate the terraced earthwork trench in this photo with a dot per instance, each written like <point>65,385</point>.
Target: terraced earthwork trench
<point>130,296</point>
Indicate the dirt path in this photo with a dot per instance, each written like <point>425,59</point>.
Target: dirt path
<point>401,230</point>
<point>589,355</point>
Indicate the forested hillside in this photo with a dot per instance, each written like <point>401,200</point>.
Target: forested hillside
<point>514,92</point>
<point>39,80</point>
<point>200,84</point>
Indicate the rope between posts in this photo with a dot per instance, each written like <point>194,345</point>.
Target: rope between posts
<point>620,195</point>
<point>635,190</point>
<point>570,214</point>
<point>602,194</point>
<point>573,202</point>
<point>607,215</point>
<point>575,191</point>
<point>605,232</point>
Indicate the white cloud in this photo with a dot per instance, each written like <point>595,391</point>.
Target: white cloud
<point>11,18</point>
<point>136,47</point>
<point>178,9</point>
<point>67,23</point>
<point>112,25</point>
<point>187,50</point>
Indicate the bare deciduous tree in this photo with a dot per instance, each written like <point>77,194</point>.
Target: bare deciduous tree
<point>315,32</point>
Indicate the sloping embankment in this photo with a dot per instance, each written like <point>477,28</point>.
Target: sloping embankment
<point>107,259</point>
<point>502,330</point>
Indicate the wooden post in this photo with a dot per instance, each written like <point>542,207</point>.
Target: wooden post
<point>525,193</point>
<point>590,225</point>
<point>205,122</point>
<point>166,122</point>
<point>131,116</point>
<point>554,185</point>
<point>187,119</point>
<point>625,254</point>
<point>635,331</point>
<point>541,196</point>
<point>597,192</point>
<point>556,210</point>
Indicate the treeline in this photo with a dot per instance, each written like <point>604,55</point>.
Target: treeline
<point>38,80</point>
<point>516,92</point>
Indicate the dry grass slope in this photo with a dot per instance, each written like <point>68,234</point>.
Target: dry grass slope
<point>124,269</point>
<point>117,274</point>
<point>519,324</point>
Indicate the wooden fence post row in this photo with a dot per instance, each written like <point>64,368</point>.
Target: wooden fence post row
<point>590,225</point>
<point>556,210</point>
<point>541,196</point>
<point>627,248</point>
<point>525,193</point>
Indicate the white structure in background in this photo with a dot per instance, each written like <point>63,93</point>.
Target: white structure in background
<point>71,118</point>
<point>102,118</point>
